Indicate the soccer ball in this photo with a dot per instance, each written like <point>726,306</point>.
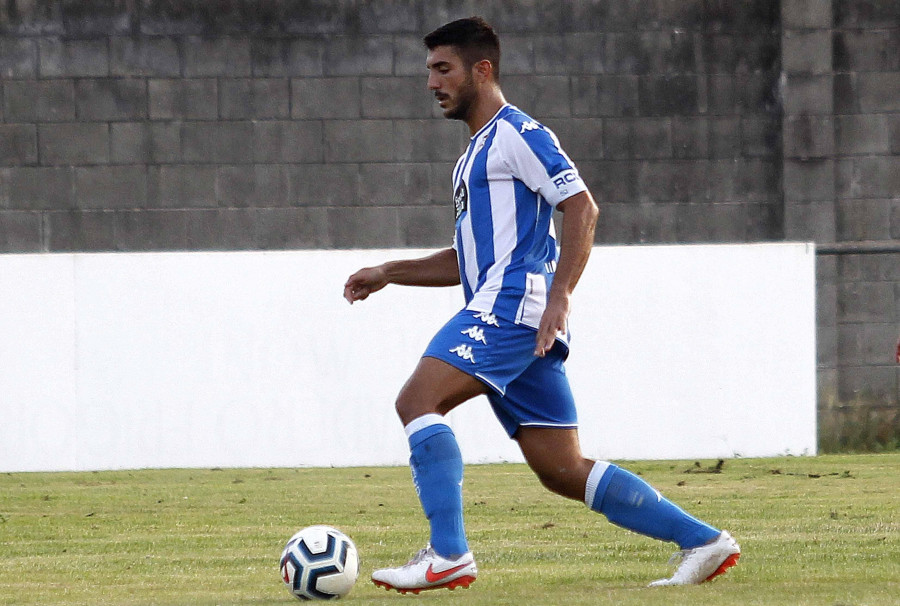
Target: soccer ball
<point>319,563</point>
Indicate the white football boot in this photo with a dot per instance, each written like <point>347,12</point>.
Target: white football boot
<point>703,563</point>
<point>428,570</point>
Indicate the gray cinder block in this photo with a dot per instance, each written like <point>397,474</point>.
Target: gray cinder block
<point>323,185</point>
<point>287,141</point>
<point>18,144</point>
<point>39,188</point>
<point>358,56</point>
<point>111,99</point>
<point>879,91</point>
<point>218,142</point>
<point>145,56</point>
<point>20,231</point>
<point>60,57</point>
<point>286,57</point>
<point>394,97</point>
<point>292,228</point>
<point>38,100</point>
<point>187,99</point>
<point>110,187</point>
<point>18,58</point>
<point>181,186</point>
<point>78,230</point>
<point>73,143</point>
<point>254,98</point>
<point>145,142</point>
<point>220,56</point>
<point>325,98</point>
<point>393,184</point>
<point>359,141</point>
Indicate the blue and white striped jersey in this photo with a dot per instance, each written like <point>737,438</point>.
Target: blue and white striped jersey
<point>505,186</point>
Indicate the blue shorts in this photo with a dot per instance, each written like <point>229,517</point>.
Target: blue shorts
<point>525,390</point>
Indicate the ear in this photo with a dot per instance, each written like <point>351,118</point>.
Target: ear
<point>483,71</point>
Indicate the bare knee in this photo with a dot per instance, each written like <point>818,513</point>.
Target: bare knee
<point>410,406</point>
<point>435,387</point>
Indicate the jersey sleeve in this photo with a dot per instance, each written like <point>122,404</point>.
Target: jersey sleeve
<point>535,157</point>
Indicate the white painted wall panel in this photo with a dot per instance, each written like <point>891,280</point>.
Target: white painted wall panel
<point>254,358</point>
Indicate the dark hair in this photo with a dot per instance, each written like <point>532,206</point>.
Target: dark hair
<point>472,38</point>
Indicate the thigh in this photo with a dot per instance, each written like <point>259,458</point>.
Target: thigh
<point>493,350</point>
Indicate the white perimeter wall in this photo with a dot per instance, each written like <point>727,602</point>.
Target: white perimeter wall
<point>254,359</point>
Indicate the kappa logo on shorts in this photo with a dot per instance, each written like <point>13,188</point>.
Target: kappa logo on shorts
<point>464,352</point>
<point>488,318</point>
<point>476,333</point>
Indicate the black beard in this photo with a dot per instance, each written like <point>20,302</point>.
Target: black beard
<point>466,101</point>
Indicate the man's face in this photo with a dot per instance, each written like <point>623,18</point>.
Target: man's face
<point>451,82</point>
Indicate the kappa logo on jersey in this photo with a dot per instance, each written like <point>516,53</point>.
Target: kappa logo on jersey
<point>461,199</point>
<point>488,318</point>
<point>476,333</point>
<point>531,125</point>
<point>464,352</point>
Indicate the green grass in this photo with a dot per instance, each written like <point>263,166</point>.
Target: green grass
<point>820,531</point>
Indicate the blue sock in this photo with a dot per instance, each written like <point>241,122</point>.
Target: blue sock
<point>437,470</point>
<point>628,501</point>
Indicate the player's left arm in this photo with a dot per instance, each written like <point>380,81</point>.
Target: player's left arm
<point>579,221</point>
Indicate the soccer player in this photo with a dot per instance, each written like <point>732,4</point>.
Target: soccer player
<point>510,340</point>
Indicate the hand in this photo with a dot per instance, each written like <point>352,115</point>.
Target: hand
<point>552,321</point>
<point>898,352</point>
<point>364,282</point>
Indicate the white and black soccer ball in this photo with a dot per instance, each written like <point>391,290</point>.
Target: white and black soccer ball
<point>319,563</point>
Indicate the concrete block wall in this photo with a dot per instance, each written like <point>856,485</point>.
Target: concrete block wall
<point>252,125</point>
<point>142,125</point>
<point>841,80</point>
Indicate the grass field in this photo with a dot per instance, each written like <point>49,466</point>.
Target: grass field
<point>820,531</point>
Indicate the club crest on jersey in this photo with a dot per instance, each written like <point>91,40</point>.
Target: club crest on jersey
<point>461,199</point>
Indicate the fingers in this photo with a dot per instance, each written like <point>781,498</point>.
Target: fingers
<point>362,284</point>
<point>546,338</point>
<point>349,294</point>
<point>553,323</point>
<point>355,292</point>
<point>544,345</point>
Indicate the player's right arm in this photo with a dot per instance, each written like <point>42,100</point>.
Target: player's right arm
<point>439,269</point>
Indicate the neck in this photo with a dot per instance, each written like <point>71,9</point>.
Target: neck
<point>485,109</point>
